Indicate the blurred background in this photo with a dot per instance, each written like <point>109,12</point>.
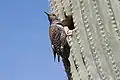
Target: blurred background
<point>25,50</point>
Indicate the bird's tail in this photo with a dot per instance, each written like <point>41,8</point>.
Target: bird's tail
<point>58,58</point>
<point>66,63</point>
<point>54,54</point>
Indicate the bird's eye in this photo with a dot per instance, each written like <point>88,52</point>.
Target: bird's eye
<point>53,14</point>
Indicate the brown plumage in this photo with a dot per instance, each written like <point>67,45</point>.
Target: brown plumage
<point>58,37</point>
<point>60,46</point>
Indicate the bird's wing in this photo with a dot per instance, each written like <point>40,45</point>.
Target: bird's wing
<point>54,33</point>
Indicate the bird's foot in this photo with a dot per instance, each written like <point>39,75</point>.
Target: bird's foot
<point>69,33</point>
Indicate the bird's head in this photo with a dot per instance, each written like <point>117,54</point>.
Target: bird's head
<point>51,17</point>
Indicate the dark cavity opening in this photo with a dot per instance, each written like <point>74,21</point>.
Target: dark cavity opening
<point>68,21</point>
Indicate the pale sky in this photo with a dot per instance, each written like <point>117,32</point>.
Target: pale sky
<point>25,50</point>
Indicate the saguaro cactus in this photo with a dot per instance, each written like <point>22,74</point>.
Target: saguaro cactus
<point>95,44</point>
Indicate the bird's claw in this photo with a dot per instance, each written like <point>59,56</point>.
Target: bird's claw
<point>69,33</point>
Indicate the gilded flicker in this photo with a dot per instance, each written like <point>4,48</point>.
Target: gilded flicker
<point>58,37</point>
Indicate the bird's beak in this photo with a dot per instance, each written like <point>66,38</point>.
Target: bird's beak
<point>46,13</point>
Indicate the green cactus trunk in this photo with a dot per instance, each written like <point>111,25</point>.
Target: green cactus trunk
<point>95,44</point>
